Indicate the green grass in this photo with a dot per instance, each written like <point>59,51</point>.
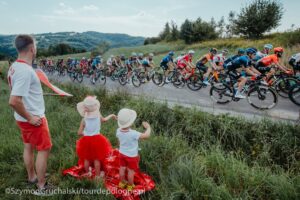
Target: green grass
<point>190,155</point>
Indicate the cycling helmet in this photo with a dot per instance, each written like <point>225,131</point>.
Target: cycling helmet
<point>268,46</point>
<point>213,50</point>
<point>241,51</point>
<point>133,54</point>
<point>278,50</point>
<point>225,51</point>
<point>251,51</point>
<point>151,54</point>
<point>171,53</point>
<point>191,52</point>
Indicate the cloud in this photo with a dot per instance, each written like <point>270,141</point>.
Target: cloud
<point>90,7</point>
<point>64,10</point>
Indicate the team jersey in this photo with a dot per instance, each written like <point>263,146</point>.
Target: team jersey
<point>242,61</point>
<point>178,58</point>
<point>206,58</point>
<point>268,60</point>
<point>230,59</point>
<point>219,59</point>
<point>296,57</point>
<point>259,55</point>
<point>96,62</point>
<point>167,59</point>
<point>186,58</point>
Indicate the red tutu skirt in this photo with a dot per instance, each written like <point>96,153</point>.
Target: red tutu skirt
<point>91,148</point>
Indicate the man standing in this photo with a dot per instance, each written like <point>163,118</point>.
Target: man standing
<point>27,100</point>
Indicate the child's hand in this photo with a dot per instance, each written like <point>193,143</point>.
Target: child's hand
<point>114,117</point>
<point>146,125</point>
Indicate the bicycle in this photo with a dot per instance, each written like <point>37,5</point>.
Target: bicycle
<point>258,95</point>
<point>294,94</point>
<point>100,77</point>
<point>153,74</point>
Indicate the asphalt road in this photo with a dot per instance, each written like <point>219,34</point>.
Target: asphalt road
<point>284,110</point>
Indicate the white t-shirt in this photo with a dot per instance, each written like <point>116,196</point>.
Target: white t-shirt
<point>25,83</point>
<point>92,126</point>
<point>129,142</point>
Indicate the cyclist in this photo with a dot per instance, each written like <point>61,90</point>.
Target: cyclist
<point>220,59</point>
<point>83,64</point>
<point>140,59</point>
<point>230,59</point>
<point>260,54</point>
<point>294,61</point>
<point>167,64</point>
<point>179,57</point>
<point>185,64</point>
<point>148,64</point>
<point>237,69</point>
<point>96,64</point>
<point>207,58</point>
<point>265,64</point>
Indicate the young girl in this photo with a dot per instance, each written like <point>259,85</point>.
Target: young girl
<point>128,139</point>
<point>93,147</point>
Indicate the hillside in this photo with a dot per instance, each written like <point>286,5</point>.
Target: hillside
<point>85,40</point>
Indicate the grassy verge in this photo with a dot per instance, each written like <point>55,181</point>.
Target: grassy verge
<point>191,154</point>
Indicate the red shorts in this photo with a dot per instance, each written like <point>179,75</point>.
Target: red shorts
<point>130,162</point>
<point>37,136</point>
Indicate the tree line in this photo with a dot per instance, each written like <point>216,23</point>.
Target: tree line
<point>253,20</point>
<point>58,49</point>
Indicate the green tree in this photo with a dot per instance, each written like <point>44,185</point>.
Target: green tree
<point>186,31</point>
<point>166,32</point>
<point>101,48</point>
<point>174,34</point>
<point>258,17</point>
<point>202,30</point>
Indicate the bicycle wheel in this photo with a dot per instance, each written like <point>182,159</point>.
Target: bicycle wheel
<point>135,81</point>
<point>79,77</point>
<point>101,78</point>
<point>178,80</point>
<point>158,79</point>
<point>262,97</point>
<point>142,77</point>
<point>284,85</point>
<point>294,94</point>
<point>123,79</point>
<point>194,82</point>
<point>221,93</point>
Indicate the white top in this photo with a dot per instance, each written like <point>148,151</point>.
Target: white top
<point>296,57</point>
<point>219,58</point>
<point>25,83</point>
<point>129,144</point>
<point>92,126</point>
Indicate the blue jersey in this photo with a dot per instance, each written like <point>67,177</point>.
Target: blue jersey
<point>230,59</point>
<point>242,61</point>
<point>96,62</point>
<point>167,59</point>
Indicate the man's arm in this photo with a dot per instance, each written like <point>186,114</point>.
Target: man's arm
<point>16,103</point>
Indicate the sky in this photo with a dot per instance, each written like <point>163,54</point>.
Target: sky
<point>133,17</point>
